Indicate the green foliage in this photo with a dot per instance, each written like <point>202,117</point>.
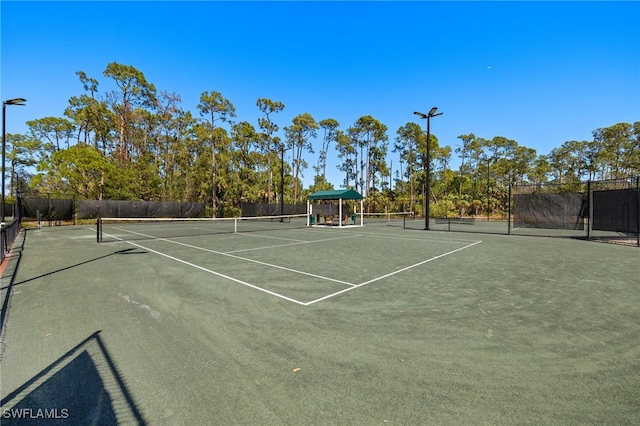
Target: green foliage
<point>443,208</point>
<point>320,184</point>
<point>81,169</point>
<point>131,141</point>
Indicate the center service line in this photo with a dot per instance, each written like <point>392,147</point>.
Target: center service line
<point>390,274</point>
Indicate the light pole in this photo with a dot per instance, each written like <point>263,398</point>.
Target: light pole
<point>427,162</point>
<point>16,101</point>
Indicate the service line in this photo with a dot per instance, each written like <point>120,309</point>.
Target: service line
<point>391,273</point>
<point>270,265</point>
<point>193,265</point>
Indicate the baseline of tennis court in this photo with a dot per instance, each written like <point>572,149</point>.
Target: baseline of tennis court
<point>303,266</point>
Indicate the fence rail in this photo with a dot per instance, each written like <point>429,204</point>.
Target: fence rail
<point>9,232</point>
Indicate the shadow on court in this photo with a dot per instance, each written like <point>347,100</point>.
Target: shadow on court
<point>83,386</point>
<point>118,252</point>
<point>13,264</point>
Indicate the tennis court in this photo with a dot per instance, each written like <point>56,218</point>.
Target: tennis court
<point>182,324</point>
<point>297,264</point>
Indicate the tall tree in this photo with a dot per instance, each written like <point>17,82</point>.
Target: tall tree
<point>217,108</point>
<point>330,126</point>
<point>80,169</point>
<point>371,137</point>
<point>134,92</point>
<point>634,149</point>
<point>54,130</point>
<point>189,161</point>
<point>299,134</point>
<point>560,161</point>
<point>346,152</point>
<point>521,165</point>
<point>539,171</point>
<point>407,139</point>
<point>245,161</point>
<point>617,149</point>
<point>270,144</point>
<point>171,120</point>
<point>91,115</point>
<point>23,152</point>
<point>470,145</point>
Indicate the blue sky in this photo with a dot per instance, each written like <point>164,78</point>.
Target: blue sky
<point>541,73</point>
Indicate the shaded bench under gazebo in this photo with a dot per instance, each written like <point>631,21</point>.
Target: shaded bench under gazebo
<point>339,195</point>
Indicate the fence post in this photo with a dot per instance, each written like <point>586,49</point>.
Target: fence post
<point>3,239</point>
<point>19,205</point>
<point>589,209</point>
<point>509,212</point>
<point>638,210</point>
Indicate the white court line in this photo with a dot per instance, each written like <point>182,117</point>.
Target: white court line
<point>295,271</point>
<point>351,286</point>
<point>451,241</point>
<point>270,236</point>
<point>390,274</point>
<point>232,232</point>
<point>255,287</point>
<point>292,244</point>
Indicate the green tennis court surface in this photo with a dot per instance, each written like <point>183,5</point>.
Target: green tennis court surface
<point>360,325</point>
<point>303,266</point>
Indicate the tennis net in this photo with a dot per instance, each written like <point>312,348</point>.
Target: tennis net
<point>398,219</point>
<point>129,229</point>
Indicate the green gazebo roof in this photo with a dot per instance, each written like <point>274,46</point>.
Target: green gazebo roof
<point>340,194</point>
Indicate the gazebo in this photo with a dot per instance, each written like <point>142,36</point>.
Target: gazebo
<point>340,195</point>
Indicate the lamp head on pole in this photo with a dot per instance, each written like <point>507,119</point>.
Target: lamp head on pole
<point>432,113</point>
<point>16,101</point>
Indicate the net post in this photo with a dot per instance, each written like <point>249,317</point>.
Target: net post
<point>98,230</point>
